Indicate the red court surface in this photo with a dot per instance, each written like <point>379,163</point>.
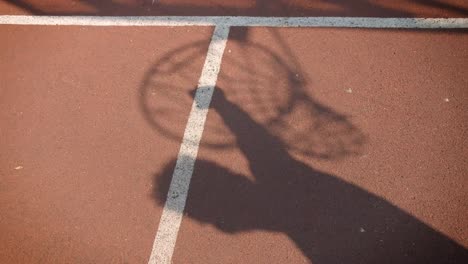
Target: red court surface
<point>399,8</point>
<point>72,126</point>
<point>321,145</point>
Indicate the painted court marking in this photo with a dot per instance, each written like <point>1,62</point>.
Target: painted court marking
<point>166,236</point>
<point>171,218</point>
<point>349,22</point>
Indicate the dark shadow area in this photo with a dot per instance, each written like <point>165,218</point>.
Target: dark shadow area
<point>330,220</point>
<point>430,8</point>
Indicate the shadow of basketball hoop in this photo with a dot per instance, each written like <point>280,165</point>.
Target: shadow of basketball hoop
<point>274,90</point>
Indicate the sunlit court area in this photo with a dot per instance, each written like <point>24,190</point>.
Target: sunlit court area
<point>249,131</point>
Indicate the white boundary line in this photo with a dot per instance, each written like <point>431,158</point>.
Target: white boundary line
<point>171,218</point>
<point>347,22</point>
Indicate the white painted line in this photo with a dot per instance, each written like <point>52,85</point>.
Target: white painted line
<point>347,22</point>
<point>166,236</point>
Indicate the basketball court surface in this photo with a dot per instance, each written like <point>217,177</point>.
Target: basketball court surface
<point>182,131</point>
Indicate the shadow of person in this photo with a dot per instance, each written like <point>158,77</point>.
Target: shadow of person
<point>330,220</point>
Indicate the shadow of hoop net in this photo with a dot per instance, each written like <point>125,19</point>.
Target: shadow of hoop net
<point>269,86</point>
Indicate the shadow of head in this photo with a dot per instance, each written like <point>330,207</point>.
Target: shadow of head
<point>218,199</point>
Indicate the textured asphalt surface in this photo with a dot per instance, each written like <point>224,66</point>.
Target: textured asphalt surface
<point>321,145</point>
